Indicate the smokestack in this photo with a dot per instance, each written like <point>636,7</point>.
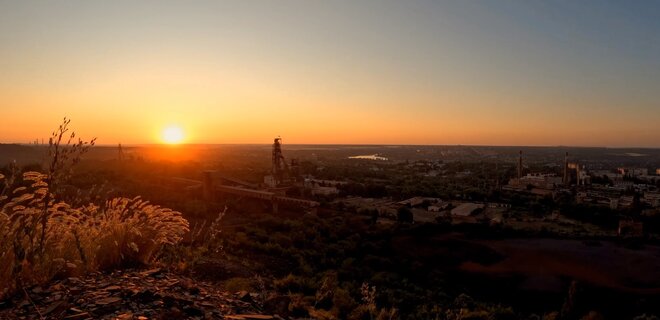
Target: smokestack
<point>577,170</point>
<point>520,165</point>
<point>566,169</point>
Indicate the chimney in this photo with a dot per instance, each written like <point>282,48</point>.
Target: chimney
<point>566,169</point>
<point>520,165</point>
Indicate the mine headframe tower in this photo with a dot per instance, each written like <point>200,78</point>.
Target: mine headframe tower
<point>280,170</point>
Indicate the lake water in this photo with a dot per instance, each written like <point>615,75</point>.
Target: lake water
<point>369,157</point>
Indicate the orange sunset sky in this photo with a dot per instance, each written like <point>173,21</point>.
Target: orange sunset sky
<point>373,72</point>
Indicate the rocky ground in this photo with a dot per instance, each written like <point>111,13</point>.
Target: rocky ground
<point>137,294</point>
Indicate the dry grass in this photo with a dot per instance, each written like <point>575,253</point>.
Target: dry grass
<point>42,238</point>
<point>118,233</point>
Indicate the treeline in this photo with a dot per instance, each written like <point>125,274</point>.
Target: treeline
<point>324,263</point>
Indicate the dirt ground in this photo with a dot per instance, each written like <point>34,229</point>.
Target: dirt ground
<point>545,261</point>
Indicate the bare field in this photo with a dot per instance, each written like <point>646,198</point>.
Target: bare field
<point>545,261</point>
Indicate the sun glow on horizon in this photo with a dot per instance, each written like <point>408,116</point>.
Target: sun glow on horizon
<point>173,135</point>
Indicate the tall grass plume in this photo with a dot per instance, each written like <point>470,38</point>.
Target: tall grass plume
<point>42,237</point>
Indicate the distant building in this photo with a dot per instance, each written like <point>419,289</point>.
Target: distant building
<point>466,209</point>
<point>417,201</point>
<point>583,177</point>
<point>630,228</point>
<point>602,197</point>
<point>622,185</point>
<point>535,183</point>
<point>607,173</point>
<point>438,207</point>
<point>310,182</point>
<point>432,173</point>
<point>499,205</point>
<point>652,198</point>
<point>324,191</point>
<point>413,202</point>
<point>536,180</point>
<point>322,187</point>
<point>626,201</point>
<point>581,173</point>
<point>270,181</point>
<point>648,178</point>
<point>614,203</point>
<point>633,172</point>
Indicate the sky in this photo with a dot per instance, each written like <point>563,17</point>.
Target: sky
<point>578,73</point>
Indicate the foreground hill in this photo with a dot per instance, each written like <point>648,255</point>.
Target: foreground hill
<point>132,294</point>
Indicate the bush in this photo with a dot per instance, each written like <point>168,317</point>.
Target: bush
<point>42,236</point>
<point>238,284</point>
<point>39,238</point>
<point>129,231</point>
<point>296,284</point>
<point>342,303</point>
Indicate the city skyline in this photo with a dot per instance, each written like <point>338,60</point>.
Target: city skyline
<point>427,73</point>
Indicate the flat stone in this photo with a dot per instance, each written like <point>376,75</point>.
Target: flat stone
<point>53,307</point>
<point>78,316</point>
<point>112,288</point>
<point>249,317</point>
<point>57,287</point>
<point>151,272</point>
<point>74,280</point>
<point>74,310</point>
<point>107,301</point>
<point>125,316</point>
<point>136,294</point>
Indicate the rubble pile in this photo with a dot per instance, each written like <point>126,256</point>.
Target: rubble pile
<point>132,294</point>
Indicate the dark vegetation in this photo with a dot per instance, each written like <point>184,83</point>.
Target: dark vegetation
<point>340,253</point>
<point>324,261</point>
<point>334,265</point>
<point>48,230</point>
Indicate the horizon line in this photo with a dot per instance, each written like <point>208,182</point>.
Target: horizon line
<point>349,144</point>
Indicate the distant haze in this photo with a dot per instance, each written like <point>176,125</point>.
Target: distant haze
<point>383,72</point>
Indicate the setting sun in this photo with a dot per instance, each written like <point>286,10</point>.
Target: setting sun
<point>173,135</point>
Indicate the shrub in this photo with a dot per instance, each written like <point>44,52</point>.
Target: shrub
<point>295,284</point>
<point>130,231</point>
<point>121,232</point>
<point>42,236</point>
<point>238,284</point>
<point>342,303</point>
